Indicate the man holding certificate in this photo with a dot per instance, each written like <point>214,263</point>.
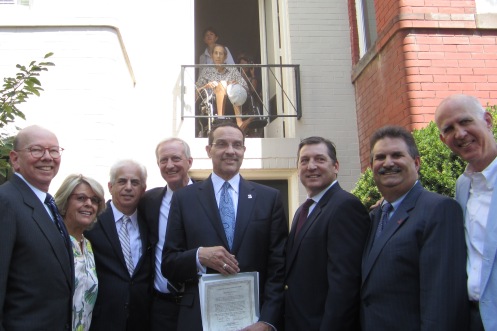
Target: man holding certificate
<point>226,225</point>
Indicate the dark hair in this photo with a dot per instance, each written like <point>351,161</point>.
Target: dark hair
<point>393,131</point>
<point>314,140</point>
<point>210,29</point>
<point>221,124</point>
<point>246,57</point>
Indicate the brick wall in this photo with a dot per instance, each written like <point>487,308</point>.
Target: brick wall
<point>425,51</point>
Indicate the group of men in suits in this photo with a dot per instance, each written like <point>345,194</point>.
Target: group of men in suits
<point>402,267</point>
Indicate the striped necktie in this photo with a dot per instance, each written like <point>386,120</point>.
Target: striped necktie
<point>125,244</point>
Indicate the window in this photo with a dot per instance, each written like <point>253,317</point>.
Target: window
<point>366,24</point>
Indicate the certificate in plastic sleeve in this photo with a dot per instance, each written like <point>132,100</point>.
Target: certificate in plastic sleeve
<point>229,302</point>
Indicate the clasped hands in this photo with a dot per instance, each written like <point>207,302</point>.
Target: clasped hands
<point>219,259</point>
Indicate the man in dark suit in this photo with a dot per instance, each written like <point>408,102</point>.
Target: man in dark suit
<point>323,253</point>
<point>36,263</point>
<point>174,161</point>
<point>197,243</point>
<point>123,255</point>
<point>414,264</point>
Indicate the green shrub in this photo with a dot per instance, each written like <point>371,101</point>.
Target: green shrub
<point>439,169</point>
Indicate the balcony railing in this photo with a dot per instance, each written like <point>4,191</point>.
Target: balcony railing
<point>273,98</point>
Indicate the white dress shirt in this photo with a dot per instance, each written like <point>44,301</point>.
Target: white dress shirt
<point>160,282</point>
<point>475,223</point>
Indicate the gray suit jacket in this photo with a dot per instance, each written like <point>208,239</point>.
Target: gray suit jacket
<point>488,285</point>
<point>414,274</point>
<point>36,281</point>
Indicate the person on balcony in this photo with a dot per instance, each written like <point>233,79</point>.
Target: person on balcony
<point>223,82</point>
<point>210,40</point>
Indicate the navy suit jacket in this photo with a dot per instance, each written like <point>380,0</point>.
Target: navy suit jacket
<point>260,235</point>
<point>36,280</point>
<point>123,301</point>
<point>414,273</point>
<point>323,265</point>
<point>149,208</point>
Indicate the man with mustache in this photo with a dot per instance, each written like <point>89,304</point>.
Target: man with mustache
<point>123,255</point>
<point>414,264</point>
<point>201,238</point>
<point>466,128</point>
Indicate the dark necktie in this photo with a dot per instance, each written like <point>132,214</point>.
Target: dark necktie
<point>303,215</point>
<point>50,202</point>
<point>227,211</point>
<point>386,208</point>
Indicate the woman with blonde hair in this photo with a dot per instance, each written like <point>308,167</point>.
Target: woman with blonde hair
<point>80,200</point>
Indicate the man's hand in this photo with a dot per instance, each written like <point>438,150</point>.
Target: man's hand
<point>259,326</point>
<point>218,258</point>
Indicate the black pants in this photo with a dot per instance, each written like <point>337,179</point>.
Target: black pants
<point>164,314</point>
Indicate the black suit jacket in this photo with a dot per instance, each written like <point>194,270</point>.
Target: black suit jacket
<point>414,274</point>
<point>260,234</point>
<point>149,208</point>
<point>323,265</point>
<point>123,301</point>
<point>36,281</point>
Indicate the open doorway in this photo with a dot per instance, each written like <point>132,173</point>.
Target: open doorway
<point>236,22</point>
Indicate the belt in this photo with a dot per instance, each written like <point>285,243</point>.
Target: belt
<point>167,296</point>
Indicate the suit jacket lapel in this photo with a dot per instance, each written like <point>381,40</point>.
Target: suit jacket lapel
<point>208,202</point>
<point>294,242</point>
<point>47,227</point>
<point>490,248</point>
<point>398,219</point>
<point>246,204</point>
<point>109,228</point>
<point>143,237</point>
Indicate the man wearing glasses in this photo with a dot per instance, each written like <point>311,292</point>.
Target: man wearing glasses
<point>202,238</point>
<point>36,263</point>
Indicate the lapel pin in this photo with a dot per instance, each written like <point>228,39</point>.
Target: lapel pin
<point>250,196</point>
<point>400,221</point>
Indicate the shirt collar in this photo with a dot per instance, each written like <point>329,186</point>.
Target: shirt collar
<point>395,204</point>
<point>118,215</point>
<point>490,173</point>
<point>218,182</point>
<point>169,193</point>
<point>318,196</point>
<point>39,193</point>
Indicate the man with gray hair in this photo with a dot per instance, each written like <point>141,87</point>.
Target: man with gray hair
<point>122,254</point>
<point>174,161</point>
<point>466,128</point>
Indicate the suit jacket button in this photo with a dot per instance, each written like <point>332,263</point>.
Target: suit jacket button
<point>286,287</point>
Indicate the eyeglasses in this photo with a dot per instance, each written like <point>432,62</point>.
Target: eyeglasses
<point>38,151</point>
<point>221,144</point>
<point>82,198</point>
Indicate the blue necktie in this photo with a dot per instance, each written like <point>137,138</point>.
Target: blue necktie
<point>227,212</point>
<point>386,208</point>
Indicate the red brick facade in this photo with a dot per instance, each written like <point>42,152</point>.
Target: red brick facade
<point>425,51</point>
